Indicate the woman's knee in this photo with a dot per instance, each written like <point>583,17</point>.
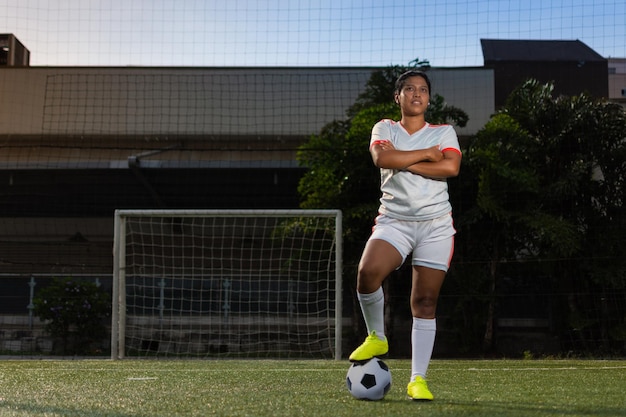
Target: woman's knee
<point>369,277</point>
<point>424,306</point>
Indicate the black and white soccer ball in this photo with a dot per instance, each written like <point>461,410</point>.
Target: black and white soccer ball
<point>369,380</point>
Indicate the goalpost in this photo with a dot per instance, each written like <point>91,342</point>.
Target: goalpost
<point>227,283</point>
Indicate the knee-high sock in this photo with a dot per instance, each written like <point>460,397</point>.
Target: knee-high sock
<point>422,342</point>
<point>373,308</point>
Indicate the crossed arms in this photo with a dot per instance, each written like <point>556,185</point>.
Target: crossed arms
<point>430,162</point>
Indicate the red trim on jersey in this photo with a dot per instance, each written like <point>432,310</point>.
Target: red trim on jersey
<point>451,149</point>
<point>378,142</point>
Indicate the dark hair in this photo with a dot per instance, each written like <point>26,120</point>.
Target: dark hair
<point>410,73</point>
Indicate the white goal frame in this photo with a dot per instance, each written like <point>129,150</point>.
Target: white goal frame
<point>119,296</point>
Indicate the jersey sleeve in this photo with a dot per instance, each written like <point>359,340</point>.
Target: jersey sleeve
<point>381,132</point>
<point>450,141</point>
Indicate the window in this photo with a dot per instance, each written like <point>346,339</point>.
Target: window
<point>4,56</point>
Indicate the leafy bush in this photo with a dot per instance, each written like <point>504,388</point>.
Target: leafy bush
<point>74,312</point>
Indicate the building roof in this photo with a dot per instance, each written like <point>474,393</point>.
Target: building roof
<point>538,50</point>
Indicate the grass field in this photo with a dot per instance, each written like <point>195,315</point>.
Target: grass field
<point>306,388</point>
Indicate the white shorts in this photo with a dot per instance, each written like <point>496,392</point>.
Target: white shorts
<point>431,242</point>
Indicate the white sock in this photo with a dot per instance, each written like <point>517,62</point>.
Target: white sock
<point>373,308</point>
<point>422,342</point>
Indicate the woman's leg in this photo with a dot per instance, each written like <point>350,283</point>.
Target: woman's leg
<point>427,283</point>
<point>425,290</point>
<point>379,259</point>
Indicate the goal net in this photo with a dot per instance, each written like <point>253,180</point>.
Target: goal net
<point>227,283</point>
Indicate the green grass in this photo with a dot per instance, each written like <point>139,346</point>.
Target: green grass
<point>306,388</point>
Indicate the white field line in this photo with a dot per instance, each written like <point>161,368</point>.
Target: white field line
<point>433,367</point>
<point>564,368</point>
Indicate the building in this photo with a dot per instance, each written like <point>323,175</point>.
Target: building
<point>617,80</point>
<point>78,143</point>
<point>572,66</point>
<point>12,52</point>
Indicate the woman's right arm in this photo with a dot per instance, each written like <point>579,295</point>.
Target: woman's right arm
<point>385,155</point>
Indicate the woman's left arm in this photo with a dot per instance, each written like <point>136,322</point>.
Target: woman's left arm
<point>448,167</point>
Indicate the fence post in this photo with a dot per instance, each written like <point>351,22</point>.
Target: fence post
<point>30,305</point>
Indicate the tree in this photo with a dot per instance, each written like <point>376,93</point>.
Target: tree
<point>74,312</point>
<point>550,190</point>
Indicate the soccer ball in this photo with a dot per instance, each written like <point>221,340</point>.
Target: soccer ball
<point>369,380</point>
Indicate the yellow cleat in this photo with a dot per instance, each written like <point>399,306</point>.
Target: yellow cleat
<point>418,390</point>
<point>373,346</point>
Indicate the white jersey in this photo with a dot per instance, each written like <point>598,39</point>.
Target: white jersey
<point>408,196</point>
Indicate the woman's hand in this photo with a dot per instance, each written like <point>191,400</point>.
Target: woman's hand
<point>434,154</point>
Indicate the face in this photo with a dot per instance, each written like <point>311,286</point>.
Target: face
<point>414,96</point>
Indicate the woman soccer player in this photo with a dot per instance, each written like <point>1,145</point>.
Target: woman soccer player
<point>414,158</point>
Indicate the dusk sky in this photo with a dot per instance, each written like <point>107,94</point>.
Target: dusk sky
<point>298,32</point>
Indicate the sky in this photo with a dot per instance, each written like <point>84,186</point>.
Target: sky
<point>317,33</point>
